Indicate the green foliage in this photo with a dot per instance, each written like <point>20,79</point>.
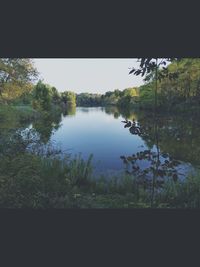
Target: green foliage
<point>13,117</point>
<point>16,76</point>
<point>118,98</point>
<point>181,194</point>
<point>148,67</point>
<point>69,111</point>
<point>146,96</point>
<point>86,99</point>
<point>55,95</point>
<point>177,93</point>
<point>47,124</point>
<point>46,180</point>
<point>68,98</point>
<point>42,97</point>
<point>38,178</point>
<point>128,97</point>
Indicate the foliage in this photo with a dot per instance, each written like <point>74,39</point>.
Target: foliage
<point>13,117</point>
<point>119,98</point>
<point>16,76</point>
<point>68,98</point>
<point>128,97</point>
<point>35,175</point>
<point>86,99</point>
<point>173,94</point>
<point>41,96</point>
<point>47,124</point>
<point>148,67</point>
<point>47,180</point>
<point>37,180</point>
<point>182,194</point>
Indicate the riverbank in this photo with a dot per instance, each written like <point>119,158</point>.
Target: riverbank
<point>44,180</point>
<point>40,178</point>
<point>186,108</point>
<point>12,116</point>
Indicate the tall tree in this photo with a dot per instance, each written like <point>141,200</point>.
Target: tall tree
<point>150,65</point>
<point>16,72</point>
<point>42,96</point>
<point>68,98</point>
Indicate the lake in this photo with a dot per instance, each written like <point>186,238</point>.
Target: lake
<point>100,131</point>
<point>92,130</point>
<point>111,134</point>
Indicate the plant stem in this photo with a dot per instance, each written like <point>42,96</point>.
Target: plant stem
<point>156,135</point>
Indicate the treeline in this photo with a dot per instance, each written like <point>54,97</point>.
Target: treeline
<point>18,76</point>
<point>44,97</point>
<point>181,93</point>
<point>117,97</point>
<point>173,94</point>
<point>17,86</point>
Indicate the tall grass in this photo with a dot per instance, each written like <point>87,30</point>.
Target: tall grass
<point>42,178</point>
<point>181,194</point>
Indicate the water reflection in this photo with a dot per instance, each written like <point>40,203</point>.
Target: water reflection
<point>69,111</point>
<point>119,111</point>
<point>176,136</point>
<point>158,165</point>
<point>46,125</point>
<point>100,131</point>
<point>155,131</point>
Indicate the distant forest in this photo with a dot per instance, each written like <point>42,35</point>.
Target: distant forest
<point>17,87</point>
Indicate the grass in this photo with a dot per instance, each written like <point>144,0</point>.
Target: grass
<point>45,180</point>
<point>34,181</point>
<point>184,194</point>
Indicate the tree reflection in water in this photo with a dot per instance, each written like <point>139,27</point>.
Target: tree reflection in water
<point>46,125</point>
<point>69,111</point>
<point>159,165</point>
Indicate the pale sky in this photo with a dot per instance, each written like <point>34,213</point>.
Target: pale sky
<point>88,75</point>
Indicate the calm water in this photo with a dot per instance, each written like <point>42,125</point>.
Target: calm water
<point>93,131</point>
<point>100,131</point>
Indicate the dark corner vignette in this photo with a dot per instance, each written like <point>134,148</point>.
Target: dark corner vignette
<point>35,205</point>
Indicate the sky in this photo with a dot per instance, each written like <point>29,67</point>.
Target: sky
<point>88,75</point>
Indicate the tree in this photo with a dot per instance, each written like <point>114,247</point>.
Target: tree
<point>16,73</point>
<point>42,96</point>
<point>88,99</point>
<point>128,96</point>
<point>68,98</point>
<point>151,65</point>
<point>55,95</point>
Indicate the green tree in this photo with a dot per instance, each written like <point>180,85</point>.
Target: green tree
<point>68,98</point>
<point>16,74</point>
<point>42,96</point>
<point>128,96</point>
<point>55,95</point>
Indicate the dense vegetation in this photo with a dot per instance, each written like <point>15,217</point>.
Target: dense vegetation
<point>126,98</point>
<point>34,177</point>
<point>177,94</point>
<point>33,173</point>
<point>177,91</point>
<point>17,76</point>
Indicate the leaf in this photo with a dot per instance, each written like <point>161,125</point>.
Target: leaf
<point>127,125</point>
<point>130,72</point>
<point>142,62</point>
